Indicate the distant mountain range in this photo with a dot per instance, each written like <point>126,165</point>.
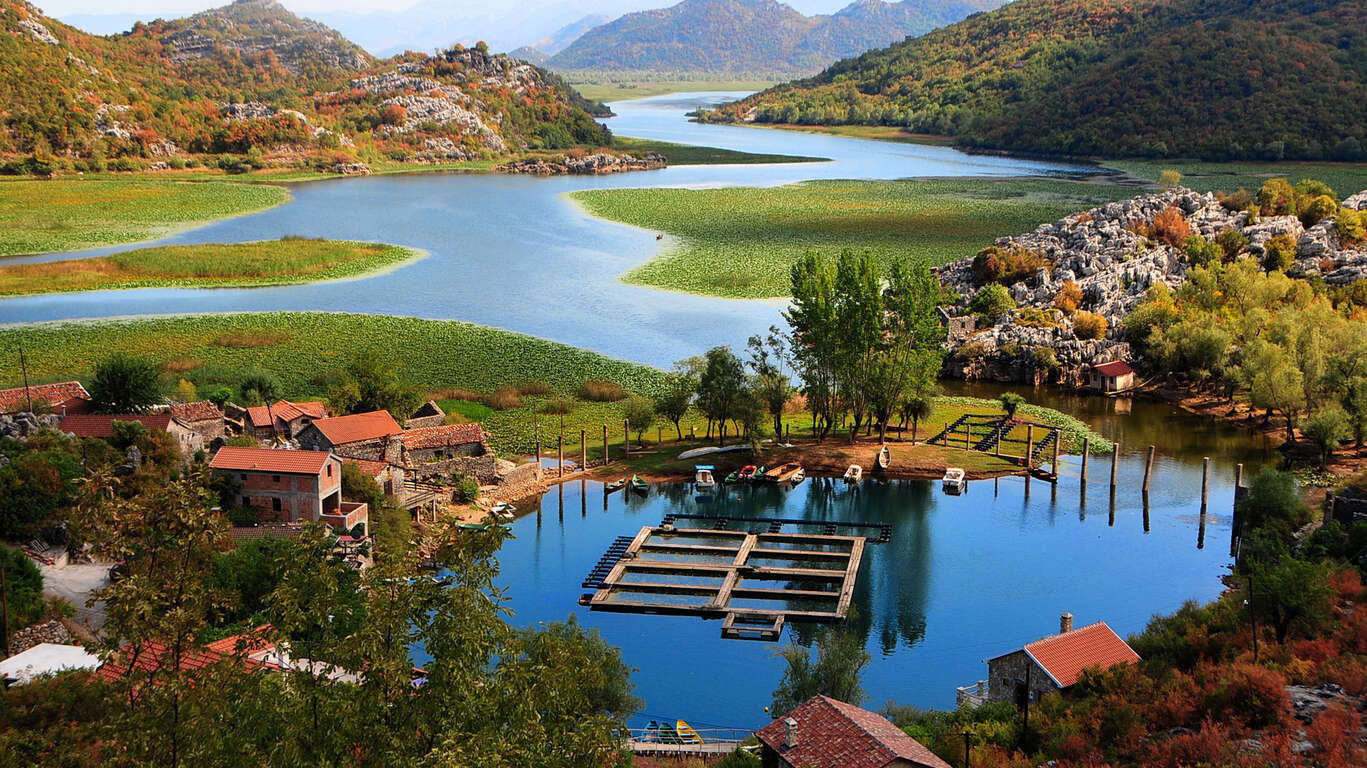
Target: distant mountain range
<point>252,79</point>
<point>541,50</point>
<point>1215,79</point>
<point>756,36</point>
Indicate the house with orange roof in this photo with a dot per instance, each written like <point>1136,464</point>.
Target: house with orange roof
<point>372,436</point>
<point>62,398</point>
<point>1115,376</point>
<point>826,733</point>
<point>1052,664</point>
<point>202,416</point>
<point>284,418</point>
<point>290,486</point>
<point>101,425</point>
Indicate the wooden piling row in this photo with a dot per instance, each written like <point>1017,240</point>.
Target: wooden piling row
<point>1148,469</point>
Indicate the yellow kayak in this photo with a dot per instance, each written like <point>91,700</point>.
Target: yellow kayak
<point>686,733</point>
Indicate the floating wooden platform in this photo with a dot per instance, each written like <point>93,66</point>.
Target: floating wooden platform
<point>754,581</point>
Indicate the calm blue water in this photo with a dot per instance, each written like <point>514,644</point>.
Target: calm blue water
<point>964,578</point>
<point>514,252</point>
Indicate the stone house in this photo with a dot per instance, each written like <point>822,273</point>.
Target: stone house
<point>372,436</point>
<point>1116,376</point>
<point>1054,663</point>
<point>957,327</point>
<point>388,476</point>
<point>450,449</point>
<point>203,417</point>
<point>825,733</point>
<point>283,417</point>
<point>63,398</point>
<point>429,415</point>
<point>290,486</point>
<point>101,425</point>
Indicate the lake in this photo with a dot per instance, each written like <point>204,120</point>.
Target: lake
<point>963,579</point>
<point>516,253</point>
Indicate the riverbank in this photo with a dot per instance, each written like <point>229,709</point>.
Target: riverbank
<point>741,242</point>
<point>72,214</point>
<point>288,261</point>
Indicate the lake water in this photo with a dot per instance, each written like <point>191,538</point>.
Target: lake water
<point>965,578</point>
<point>516,253</point>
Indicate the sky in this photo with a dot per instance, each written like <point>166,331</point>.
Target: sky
<point>171,8</point>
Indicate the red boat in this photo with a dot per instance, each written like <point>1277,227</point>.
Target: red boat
<point>747,472</point>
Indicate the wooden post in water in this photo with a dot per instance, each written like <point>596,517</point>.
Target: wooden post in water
<point>1148,469</point>
<point>560,454</point>
<point>1238,478</point>
<point>538,458</point>
<point>1205,483</point>
<point>1029,445</point>
<point>626,437</point>
<point>1115,463</point>
<point>605,445</point>
<point>1057,439</point>
<point>1086,453</point>
<point>583,450</point>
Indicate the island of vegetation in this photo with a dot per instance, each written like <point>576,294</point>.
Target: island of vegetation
<point>286,261</point>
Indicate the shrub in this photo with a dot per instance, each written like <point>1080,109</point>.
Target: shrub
<point>991,302</point>
<point>1277,198</point>
<point>1044,357</point>
<point>600,391</point>
<point>1309,189</point>
<point>1030,317</point>
<point>972,350</point>
<point>1243,693</point>
<point>1069,297</point>
<point>124,384</point>
<point>1233,243</point>
<point>1279,253</point>
<point>503,399</point>
<point>220,396</point>
<point>1318,209</point>
<point>1351,226</point>
<point>534,388</point>
<point>558,406</point>
<point>259,387</point>
<point>995,264</point>
<point>1170,226</point>
<point>25,584</point>
<point>1201,251</point>
<point>465,488</point>
<point>1239,200</point>
<point>1170,177</point>
<point>1090,326</point>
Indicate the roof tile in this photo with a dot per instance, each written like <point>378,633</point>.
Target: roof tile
<point>441,437</point>
<point>341,430</point>
<point>1065,656</point>
<point>12,400</point>
<point>102,424</point>
<point>833,734</point>
<point>198,411</point>
<point>287,462</point>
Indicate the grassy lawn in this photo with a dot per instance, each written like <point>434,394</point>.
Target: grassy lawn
<point>741,242</point>
<point>275,262</point>
<point>69,214</point>
<point>686,154</point>
<point>607,87</point>
<point>1345,178</point>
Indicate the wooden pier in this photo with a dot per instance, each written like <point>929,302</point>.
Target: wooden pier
<point>737,576</point>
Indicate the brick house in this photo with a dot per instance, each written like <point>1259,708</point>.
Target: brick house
<point>101,425</point>
<point>371,436</point>
<point>283,418</point>
<point>1054,663</point>
<point>63,398</point>
<point>1116,376</point>
<point>203,417</point>
<point>428,415</point>
<point>290,486</point>
<point>825,733</point>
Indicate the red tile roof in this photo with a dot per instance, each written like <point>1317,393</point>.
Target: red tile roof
<point>236,459</point>
<point>102,424</point>
<point>357,427</point>
<point>241,533</point>
<point>370,468</point>
<point>14,400</point>
<point>284,411</point>
<point>200,411</point>
<point>1064,656</point>
<point>441,437</point>
<point>153,655</point>
<point>833,734</point>
<point>1116,368</point>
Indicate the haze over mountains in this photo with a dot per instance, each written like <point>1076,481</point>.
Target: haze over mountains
<point>1216,79</point>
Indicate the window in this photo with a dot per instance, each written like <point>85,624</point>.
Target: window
<point>329,469</point>
<point>275,504</point>
<point>243,476</point>
<point>275,478</point>
<point>246,501</point>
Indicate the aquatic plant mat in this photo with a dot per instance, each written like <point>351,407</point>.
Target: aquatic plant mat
<point>754,579</point>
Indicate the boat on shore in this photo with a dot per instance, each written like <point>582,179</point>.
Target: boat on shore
<point>503,509</point>
<point>884,459</point>
<point>686,733</point>
<point>783,473</point>
<point>854,473</point>
<point>709,450</point>
<point>953,482</point>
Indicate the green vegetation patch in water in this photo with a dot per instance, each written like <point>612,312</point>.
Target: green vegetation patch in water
<point>688,154</point>
<point>65,215</point>
<point>742,242</point>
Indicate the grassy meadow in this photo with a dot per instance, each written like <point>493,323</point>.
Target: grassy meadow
<point>623,87</point>
<point>741,242</point>
<point>1345,178</point>
<point>874,132</point>
<point>687,154</point>
<point>274,262</point>
<point>70,214</point>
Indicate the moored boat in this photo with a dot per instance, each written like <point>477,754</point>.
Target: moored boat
<point>637,484</point>
<point>615,485</point>
<point>732,478</point>
<point>798,476</point>
<point>686,733</point>
<point>884,459</point>
<point>503,509</point>
<point>854,473</point>
<point>747,473</point>
<point>782,473</point>
<point>702,478</point>
<point>953,482</point>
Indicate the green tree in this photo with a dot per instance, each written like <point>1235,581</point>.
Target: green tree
<point>833,670</point>
<point>640,413</point>
<point>860,307</point>
<point>259,387</point>
<point>1271,499</point>
<point>991,302</point>
<point>1326,429</point>
<point>675,399</point>
<point>1292,592</point>
<point>245,576</point>
<point>815,323</point>
<point>1277,385</point>
<point>915,407</point>
<point>721,388</point>
<point>25,583</point>
<point>769,362</point>
<point>910,348</point>
<point>606,680</point>
<point>370,383</point>
<point>124,384</point>
<point>1011,402</point>
<point>38,482</point>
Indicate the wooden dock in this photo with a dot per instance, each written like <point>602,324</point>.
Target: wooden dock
<point>705,749</point>
<point>736,576</point>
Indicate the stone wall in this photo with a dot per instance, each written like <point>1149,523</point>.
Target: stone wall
<point>483,468</point>
<point>521,477</point>
<point>1004,671</point>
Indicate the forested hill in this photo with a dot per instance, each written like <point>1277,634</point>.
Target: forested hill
<point>254,81</point>
<point>1216,79</point>
<point>753,35</point>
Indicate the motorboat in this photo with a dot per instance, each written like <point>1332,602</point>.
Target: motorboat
<point>702,478</point>
<point>854,473</point>
<point>953,482</point>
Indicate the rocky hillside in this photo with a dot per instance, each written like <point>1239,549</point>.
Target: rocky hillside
<point>1216,79</point>
<point>254,81</point>
<point>1101,264</point>
<point>752,35</point>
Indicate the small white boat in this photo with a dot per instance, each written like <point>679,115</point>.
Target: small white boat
<point>884,459</point>
<point>854,473</point>
<point>711,449</point>
<point>503,509</point>
<point>799,476</point>
<point>703,479</point>
<point>953,482</point>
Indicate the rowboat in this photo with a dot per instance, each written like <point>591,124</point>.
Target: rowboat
<point>686,733</point>
<point>709,450</point>
<point>615,485</point>
<point>953,482</point>
<point>747,473</point>
<point>854,473</point>
<point>702,478</point>
<point>637,484</point>
<point>472,526</point>
<point>732,478</point>
<point>782,473</point>
<point>503,509</point>
<point>884,458</point>
<point>799,476</point>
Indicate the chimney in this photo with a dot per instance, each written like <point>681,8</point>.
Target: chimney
<point>63,410</point>
<point>790,733</point>
<point>1065,623</point>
